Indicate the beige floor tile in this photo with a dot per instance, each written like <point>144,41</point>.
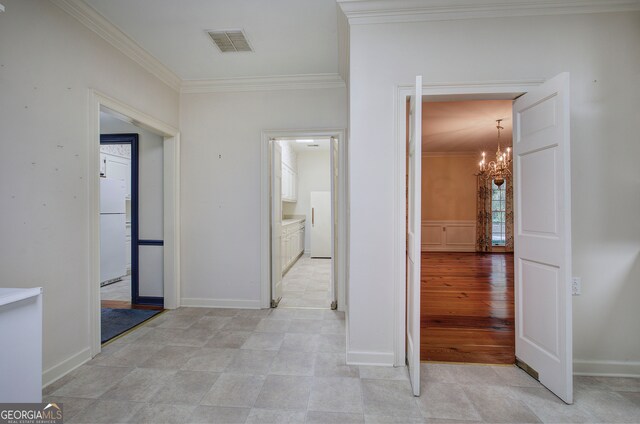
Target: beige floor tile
<point>207,359</point>
<point>92,381</point>
<point>322,417</point>
<point>186,387</point>
<point>256,362</point>
<point>446,401</point>
<point>140,385</point>
<point>107,411</point>
<point>275,416</point>
<point>159,413</point>
<point>219,414</point>
<point>234,390</point>
<point>284,392</point>
<point>291,362</point>
<point>389,398</point>
<point>333,394</point>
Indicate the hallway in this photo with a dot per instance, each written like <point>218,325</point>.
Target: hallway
<point>201,365</point>
<point>306,284</point>
<point>467,308</point>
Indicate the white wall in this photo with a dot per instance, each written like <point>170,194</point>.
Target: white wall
<point>150,201</point>
<point>48,63</point>
<point>314,174</point>
<point>220,183</point>
<point>601,53</point>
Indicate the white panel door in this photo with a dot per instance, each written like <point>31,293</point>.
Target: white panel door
<point>334,223</point>
<point>414,228</point>
<point>320,243</point>
<point>277,258</point>
<point>543,234</point>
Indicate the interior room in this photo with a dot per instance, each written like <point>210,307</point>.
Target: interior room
<point>214,83</point>
<point>467,302</point>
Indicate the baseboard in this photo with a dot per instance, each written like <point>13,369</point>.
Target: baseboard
<point>65,367</point>
<point>220,303</point>
<point>429,248</point>
<point>607,368</point>
<point>370,358</point>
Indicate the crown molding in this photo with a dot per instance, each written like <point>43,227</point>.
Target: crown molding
<point>282,82</point>
<point>464,154</point>
<point>97,23</point>
<point>362,12</point>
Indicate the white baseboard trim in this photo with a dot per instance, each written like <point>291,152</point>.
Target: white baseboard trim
<point>63,368</point>
<point>385,359</point>
<point>220,303</point>
<point>606,368</point>
<point>429,248</point>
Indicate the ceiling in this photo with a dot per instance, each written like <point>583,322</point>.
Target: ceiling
<point>318,145</point>
<point>289,37</point>
<point>465,126</point>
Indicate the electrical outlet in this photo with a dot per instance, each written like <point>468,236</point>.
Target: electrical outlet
<point>576,286</point>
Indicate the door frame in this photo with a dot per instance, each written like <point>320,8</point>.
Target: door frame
<point>265,207</point>
<point>98,102</point>
<point>132,140</point>
<point>491,90</point>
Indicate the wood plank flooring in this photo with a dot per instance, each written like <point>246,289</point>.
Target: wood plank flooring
<point>467,310</point>
<point>123,304</point>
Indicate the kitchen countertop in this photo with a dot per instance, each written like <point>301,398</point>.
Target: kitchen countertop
<point>291,221</point>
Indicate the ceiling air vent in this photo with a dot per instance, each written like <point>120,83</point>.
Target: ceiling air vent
<point>232,40</point>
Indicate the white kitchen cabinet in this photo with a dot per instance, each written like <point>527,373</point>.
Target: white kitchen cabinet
<point>289,173</point>
<point>292,242</point>
<point>289,186</point>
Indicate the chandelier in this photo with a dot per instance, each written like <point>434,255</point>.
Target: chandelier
<point>497,170</point>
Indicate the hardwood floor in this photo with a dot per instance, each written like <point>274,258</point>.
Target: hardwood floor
<point>467,308</point>
<point>123,304</point>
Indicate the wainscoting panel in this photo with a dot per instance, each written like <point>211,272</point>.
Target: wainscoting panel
<point>449,236</point>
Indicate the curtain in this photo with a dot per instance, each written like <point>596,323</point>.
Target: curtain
<point>483,211</point>
<point>508,228</point>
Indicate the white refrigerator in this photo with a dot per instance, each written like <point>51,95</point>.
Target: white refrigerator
<point>113,257</point>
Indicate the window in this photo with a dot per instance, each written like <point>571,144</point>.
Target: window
<point>498,200</point>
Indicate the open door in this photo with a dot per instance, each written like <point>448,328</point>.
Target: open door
<point>276,223</point>
<point>413,237</point>
<point>543,234</point>
<point>334,223</point>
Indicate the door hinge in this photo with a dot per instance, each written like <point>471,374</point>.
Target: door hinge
<point>274,302</point>
<point>526,368</point>
<point>334,305</point>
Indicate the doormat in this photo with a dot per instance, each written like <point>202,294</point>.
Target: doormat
<point>116,321</point>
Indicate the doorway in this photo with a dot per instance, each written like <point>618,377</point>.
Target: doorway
<point>303,254</point>
<point>131,265</point>
<point>542,225</point>
<point>302,232</point>
<point>467,292</point>
<point>156,257</point>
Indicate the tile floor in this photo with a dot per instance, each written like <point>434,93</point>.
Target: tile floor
<point>198,365</point>
<point>306,284</point>
<point>117,291</point>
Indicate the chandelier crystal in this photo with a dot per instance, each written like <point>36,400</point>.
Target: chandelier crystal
<point>497,170</point>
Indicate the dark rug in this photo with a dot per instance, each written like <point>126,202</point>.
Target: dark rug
<point>117,321</point>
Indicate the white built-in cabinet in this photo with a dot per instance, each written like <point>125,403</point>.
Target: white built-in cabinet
<point>289,173</point>
<point>292,242</point>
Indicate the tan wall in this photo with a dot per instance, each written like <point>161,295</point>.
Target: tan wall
<point>449,188</point>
